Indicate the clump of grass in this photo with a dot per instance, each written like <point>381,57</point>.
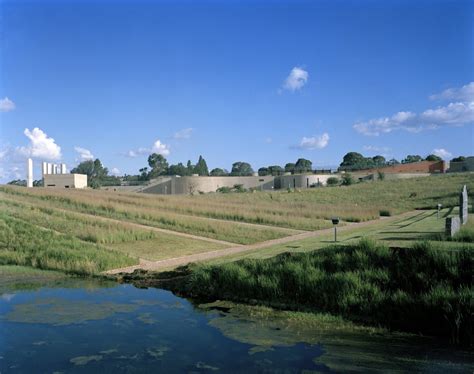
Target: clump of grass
<point>385,213</point>
<point>466,233</point>
<point>421,289</point>
<point>22,243</point>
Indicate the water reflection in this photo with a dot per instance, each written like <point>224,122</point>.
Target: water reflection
<point>95,327</point>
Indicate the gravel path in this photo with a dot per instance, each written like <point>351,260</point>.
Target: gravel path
<point>177,261</point>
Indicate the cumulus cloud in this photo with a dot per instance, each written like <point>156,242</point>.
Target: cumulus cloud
<point>157,147</point>
<point>6,105</point>
<point>458,113</point>
<point>296,80</point>
<point>84,154</point>
<point>464,93</point>
<point>314,142</point>
<point>184,133</point>
<point>443,153</point>
<point>40,146</point>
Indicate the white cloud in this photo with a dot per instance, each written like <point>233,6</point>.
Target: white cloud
<point>453,114</point>
<point>158,147</point>
<point>6,105</point>
<point>115,172</point>
<point>315,142</point>
<point>84,154</point>
<point>40,146</point>
<point>373,148</point>
<point>296,80</point>
<point>443,153</point>
<point>184,133</point>
<point>464,93</point>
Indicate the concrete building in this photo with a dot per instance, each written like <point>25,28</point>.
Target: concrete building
<point>176,185</point>
<point>462,166</point>
<point>65,180</point>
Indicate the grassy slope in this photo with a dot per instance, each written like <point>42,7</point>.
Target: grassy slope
<point>22,243</point>
<point>307,209</point>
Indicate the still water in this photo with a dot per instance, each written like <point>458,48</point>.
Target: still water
<point>89,327</point>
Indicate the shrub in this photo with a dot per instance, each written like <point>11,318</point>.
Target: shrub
<point>385,213</point>
<point>224,189</point>
<point>381,175</point>
<point>347,179</point>
<point>332,181</point>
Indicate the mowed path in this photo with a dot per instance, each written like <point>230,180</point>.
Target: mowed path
<point>178,261</point>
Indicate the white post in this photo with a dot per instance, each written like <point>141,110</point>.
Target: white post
<point>29,177</point>
<point>50,168</point>
<point>63,169</point>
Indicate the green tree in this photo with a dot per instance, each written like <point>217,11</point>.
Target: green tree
<point>433,158</point>
<point>263,171</point>
<point>412,158</point>
<point>201,167</point>
<point>290,168</point>
<point>303,166</point>
<point>459,159</point>
<point>95,171</point>
<point>144,176</point>
<point>379,160</point>
<point>351,159</point>
<point>276,170</point>
<point>190,167</point>
<point>158,165</point>
<point>218,172</point>
<point>241,169</point>
<point>393,162</point>
<point>178,169</point>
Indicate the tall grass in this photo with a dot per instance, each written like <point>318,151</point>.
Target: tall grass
<point>22,243</point>
<point>423,289</point>
<point>308,210</point>
<point>221,230</point>
<point>95,231</point>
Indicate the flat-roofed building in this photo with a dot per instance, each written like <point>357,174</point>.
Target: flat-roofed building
<point>65,180</point>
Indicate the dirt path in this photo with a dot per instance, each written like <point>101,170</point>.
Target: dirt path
<point>177,261</point>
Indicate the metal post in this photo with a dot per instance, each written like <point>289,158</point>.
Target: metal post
<point>335,233</point>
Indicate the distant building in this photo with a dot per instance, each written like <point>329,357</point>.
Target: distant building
<point>462,166</point>
<point>65,180</point>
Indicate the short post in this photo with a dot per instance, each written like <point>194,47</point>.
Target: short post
<point>335,222</point>
<point>439,208</point>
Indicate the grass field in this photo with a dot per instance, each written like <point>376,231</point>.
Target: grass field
<point>88,231</point>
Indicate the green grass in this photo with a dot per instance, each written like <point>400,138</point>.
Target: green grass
<point>22,243</point>
<point>165,246</point>
<point>466,233</point>
<point>421,289</point>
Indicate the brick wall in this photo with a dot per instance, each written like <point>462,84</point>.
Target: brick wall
<point>414,167</point>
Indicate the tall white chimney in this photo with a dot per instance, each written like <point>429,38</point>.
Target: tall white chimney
<point>49,168</point>
<point>44,168</point>
<point>29,176</point>
<point>63,169</point>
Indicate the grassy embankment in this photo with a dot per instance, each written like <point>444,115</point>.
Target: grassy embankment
<point>422,289</point>
<point>214,216</point>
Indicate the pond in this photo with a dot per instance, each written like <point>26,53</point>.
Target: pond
<point>90,326</point>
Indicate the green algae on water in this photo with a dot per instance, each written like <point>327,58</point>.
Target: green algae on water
<point>58,312</point>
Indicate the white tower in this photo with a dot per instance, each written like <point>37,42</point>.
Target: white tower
<point>44,168</point>
<point>29,176</point>
<point>49,168</point>
<point>63,169</point>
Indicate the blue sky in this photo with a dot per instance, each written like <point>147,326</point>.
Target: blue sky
<point>265,82</point>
